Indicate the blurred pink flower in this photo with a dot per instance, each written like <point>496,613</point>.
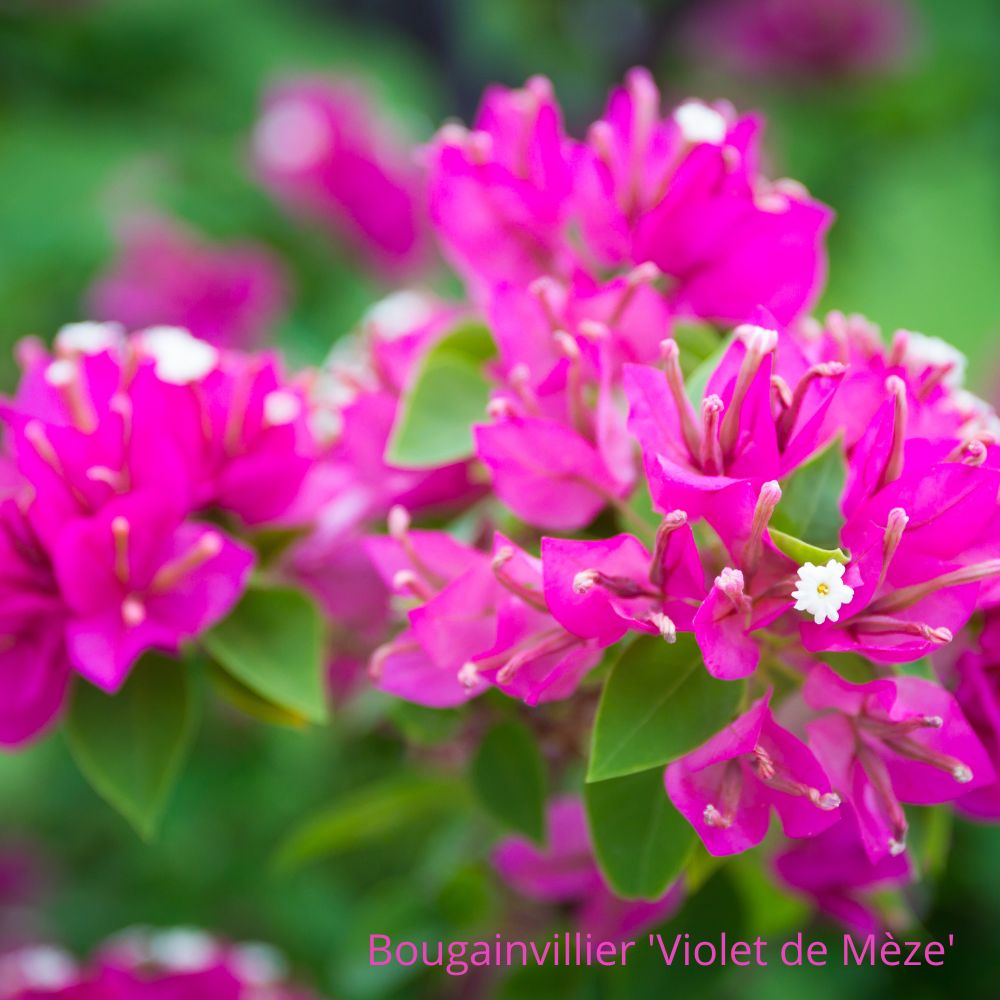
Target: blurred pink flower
<point>836,872</point>
<point>564,871</point>
<point>322,148</point>
<point>146,964</point>
<point>804,38</point>
<point>230,295</point>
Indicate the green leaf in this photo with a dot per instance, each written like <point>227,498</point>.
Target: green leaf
<point>641,504</point>
<point>696,341</point>
<point>271,544</point>
<point>659,703</point>
<point>273,643</point>
<point>448,395</point>
<point>247,701</point>
<point>851,666</point>
<point>930,836</point>
<point>508,775</point>
<point>424,726</point>
<point>696,383</point>
<point>130,746</point>
<point>802,552</point>
<point>376,811</point>
<point>640,839</point>
<point>917,668</point>
<point>810,499</point>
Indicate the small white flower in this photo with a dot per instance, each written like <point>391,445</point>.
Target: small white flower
<point>180,357</point>
<point>44,968</point>
<point>281,407</point>
<point>89,338</point>
<point>822,592</point>
<point>259,964</point>
<point>182,949</point>
<point>700,123</point>
<point>400,313</point>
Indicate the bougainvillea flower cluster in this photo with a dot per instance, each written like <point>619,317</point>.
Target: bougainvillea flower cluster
<point>628,458</point>
<point>144,964</point>
<point>132,467</point>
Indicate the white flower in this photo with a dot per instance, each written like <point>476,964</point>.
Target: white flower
<point>281,407</point>
<point>180,357</point>
<point>822,592</point>
<point>182,949</point>
<point>89,338</point>
<point>39,967</point>
<point>400,313</point>
<point>700,123</point>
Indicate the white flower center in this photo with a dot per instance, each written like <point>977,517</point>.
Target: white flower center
<point>45,968</point>
<point>180,358</point>
<point>182,949</point>
<point>259,964</point>
<point>61,373</point>
<point>700,123</point>
<point>89,338</point>
<point>821,591</point>
<point>400,313</point>
<point>281,407</point>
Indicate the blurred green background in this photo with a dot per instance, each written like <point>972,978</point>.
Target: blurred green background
<point>106,107</point>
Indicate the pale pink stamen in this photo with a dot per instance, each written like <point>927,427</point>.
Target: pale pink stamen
<point>120,533</point>
<point>675,382</point>
<point>170,574</point>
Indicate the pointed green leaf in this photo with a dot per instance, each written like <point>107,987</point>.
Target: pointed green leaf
<point>508,775</point>
<point>273,642</point>
<point>448,395</point>
<point>810,499</point>
<point>659,703</point>
<point>640,839</point>
<point>130,746</point>
<point>802,552</point>
<point>249,702</point>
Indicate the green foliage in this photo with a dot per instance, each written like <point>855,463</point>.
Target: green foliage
<point>273,643</point>
<point>130,746</point>
<point>640,839</point>
<point>659,702</point>
<point>809,508</point>
<point>802,552</point>
<point>249,702</point>
<point>696,383</point>
<point>697,343</point>
<point>448,395</point>
<point>508,774</point>
<point>918,668</point>
<point>377,811</point>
